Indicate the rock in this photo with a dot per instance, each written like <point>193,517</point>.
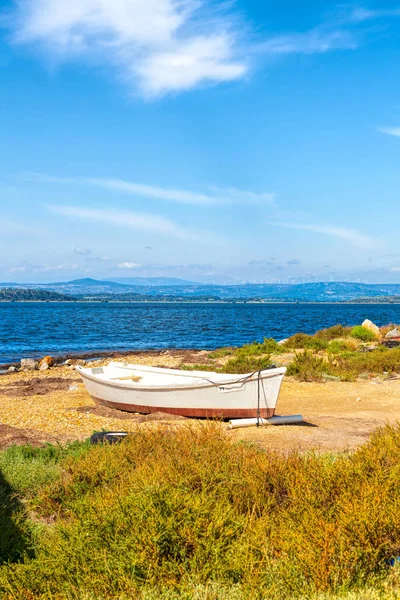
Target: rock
<point>28,364</point>
<point>12,369</point>
<point>68,362</point>
<point>393,334</point>
<point>373,328</point>
<point>44,366</point>
<point>46,360</point>
<point>281,342</point>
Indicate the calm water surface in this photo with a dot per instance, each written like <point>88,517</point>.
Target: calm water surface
<point>35,329</point>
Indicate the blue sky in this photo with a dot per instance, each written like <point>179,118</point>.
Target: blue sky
<point>228,142</point>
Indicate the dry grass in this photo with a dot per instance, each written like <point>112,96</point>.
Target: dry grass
<point>170,513</point>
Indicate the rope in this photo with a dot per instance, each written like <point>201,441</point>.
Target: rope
<point>258,398</point>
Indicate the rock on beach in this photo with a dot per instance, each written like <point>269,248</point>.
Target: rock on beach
<point>373,328</point>
<point>28,364</point>
<point>393,334</point>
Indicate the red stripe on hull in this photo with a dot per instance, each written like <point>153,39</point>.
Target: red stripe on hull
<point>198,413</point>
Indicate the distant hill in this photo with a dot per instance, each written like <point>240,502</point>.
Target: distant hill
<point>20,295</point>
<point>175,289</point>
<point>152,281</point>
<point>88,281</point>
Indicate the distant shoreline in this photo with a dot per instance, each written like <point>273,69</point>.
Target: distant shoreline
<point>275,302</point>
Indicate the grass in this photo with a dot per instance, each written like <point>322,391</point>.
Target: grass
<point>186,513</point>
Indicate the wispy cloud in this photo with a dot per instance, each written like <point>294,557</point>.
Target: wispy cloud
<point>361,14</point>
<point>315,41</point>
<point>395,131</point>
<point>349,235</point>
<point>133,220</point>
<point>82,251</point>
<point>157,46</point>
<point>28,267</point>
<point>98,259</point>
<point>218,196</point>
<point>128,265</point>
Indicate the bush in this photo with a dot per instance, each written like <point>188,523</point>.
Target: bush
<point>304,341</point>
<point>186,509</point>
<point>332,333</point>
<point>338,346</point>
<point>306,366</point>
<point>246,364</point>
<point>351,365</point>
<point>361,333</point>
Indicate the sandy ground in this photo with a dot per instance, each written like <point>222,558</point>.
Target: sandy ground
<point>49,406</point>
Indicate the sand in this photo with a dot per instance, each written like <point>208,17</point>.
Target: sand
<point>53,405</point>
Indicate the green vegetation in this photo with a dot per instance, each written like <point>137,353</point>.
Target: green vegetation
<point>306,366</point>
<point>361,333</point>
<point>20,295</point>
<point>246,364</point>
<point>338,346</point>
<point>189,514</point>
<point>302,340</point>
<point>333,333</point>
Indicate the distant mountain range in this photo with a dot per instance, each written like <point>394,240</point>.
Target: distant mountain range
<point>152,281</point>
<point>165,288</point>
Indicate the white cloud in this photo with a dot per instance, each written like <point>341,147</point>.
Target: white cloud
<point>315,41</point>
<point>349,235</point>
<point>98,259</point>
<point>219,195</point>
<point>395,131</point>
<point>157,46</point>
<point>360,14</point>
<point>27,267</point>
<point>82,251</point>
<point>133,220</point>
<point>128,265</point>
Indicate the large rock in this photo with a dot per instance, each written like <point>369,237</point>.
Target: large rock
<point>28,364</point>
<point>393,334</point>
<point>44,366</point>
<point>373,328</point>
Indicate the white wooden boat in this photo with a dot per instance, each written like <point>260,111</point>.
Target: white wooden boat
<point>201,394</point>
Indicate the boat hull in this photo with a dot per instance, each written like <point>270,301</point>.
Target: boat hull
<point>219,399</point>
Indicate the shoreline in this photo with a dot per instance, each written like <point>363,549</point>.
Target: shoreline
<point>275,302</point>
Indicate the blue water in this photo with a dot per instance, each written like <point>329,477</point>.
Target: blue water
<point>36,329</point>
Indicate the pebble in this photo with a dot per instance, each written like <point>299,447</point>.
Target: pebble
<point>12,369</point>
<point>44,366</point>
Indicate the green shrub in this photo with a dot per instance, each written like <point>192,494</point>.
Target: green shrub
<point>361,333</point>
<point>306,366</point>
<point>268,346</point>
<point>351,365</point>
<point>332,333</point>
<point>302,340</point>
<point>338,346</point>
<point>246,364</point>
<point>179,511</point>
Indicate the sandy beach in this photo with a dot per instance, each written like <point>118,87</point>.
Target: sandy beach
<point>53,406</point>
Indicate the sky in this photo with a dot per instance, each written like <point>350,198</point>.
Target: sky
<point>223,142</point>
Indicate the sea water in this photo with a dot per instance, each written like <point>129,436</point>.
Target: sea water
<point>30,329</point>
